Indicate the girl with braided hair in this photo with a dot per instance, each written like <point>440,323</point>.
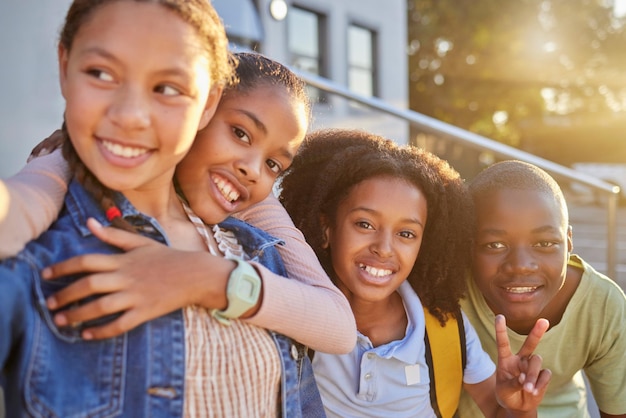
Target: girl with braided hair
<point>135,99</point>
<point>392,226</point>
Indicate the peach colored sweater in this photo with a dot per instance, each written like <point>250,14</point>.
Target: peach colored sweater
<point>308,308</point>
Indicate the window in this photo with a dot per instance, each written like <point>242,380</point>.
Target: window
<point>305,39</point>
<point>242,22</point>
<point>362,60</point>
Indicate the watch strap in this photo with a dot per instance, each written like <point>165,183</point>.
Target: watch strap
<point>242,291</point>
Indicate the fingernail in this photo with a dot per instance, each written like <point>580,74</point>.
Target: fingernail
<point>46,273</point>
<point>60,320</point>
<point>52,303</point>
<point>95,223</point>
<point>87,335</point>
<point>522,378</point>
<point>529,387</point>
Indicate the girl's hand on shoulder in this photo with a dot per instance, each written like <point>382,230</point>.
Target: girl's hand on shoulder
<point>146,281</point>
<point>520,381</point>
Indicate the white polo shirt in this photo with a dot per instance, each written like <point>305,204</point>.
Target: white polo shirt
<point>391,379</point>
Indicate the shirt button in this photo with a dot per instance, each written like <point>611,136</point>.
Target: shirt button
<point>368,376</point>
<point>371,355</point>
<point>294,352</point>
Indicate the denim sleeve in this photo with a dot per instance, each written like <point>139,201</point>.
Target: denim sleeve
<point>14,305</point>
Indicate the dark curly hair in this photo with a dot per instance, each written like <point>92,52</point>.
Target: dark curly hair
<point>331,162</point>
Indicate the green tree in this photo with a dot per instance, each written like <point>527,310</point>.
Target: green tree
<point>543,76</point>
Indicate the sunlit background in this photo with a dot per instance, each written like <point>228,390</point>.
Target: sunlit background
<point>547,77</point>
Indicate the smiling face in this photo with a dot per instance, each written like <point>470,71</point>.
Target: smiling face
<point>135,95</point>
<point>376,238</point>
<point>520,255</point>
<point>235,160</point>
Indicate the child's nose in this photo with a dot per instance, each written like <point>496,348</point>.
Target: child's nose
<point>383,245</point>
<point>521,260</point>
<point>130,109</point>
<point>249,168</point>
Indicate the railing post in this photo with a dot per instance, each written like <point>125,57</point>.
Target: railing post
<point>611,234</point>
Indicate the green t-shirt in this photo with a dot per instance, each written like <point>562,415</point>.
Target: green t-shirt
<point>591,337</point>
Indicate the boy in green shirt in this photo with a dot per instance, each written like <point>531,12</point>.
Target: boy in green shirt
<point>523,268</point>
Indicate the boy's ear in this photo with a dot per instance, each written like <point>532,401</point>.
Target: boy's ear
<point>211,106</point>
<point>63,56</point>
<point>570,241</point>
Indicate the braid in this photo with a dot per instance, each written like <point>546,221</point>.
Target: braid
<point>93,186</point>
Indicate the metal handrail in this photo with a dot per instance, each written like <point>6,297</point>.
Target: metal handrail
<point>456,134</point>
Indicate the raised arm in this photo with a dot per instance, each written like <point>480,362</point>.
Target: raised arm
<point>30,201</point>
<point>308,307</point>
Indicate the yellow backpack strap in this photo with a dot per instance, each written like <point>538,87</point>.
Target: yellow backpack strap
<point>446,359</point>
<point>575,261</point>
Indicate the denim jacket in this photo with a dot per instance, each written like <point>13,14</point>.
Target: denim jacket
<point>48,371</point>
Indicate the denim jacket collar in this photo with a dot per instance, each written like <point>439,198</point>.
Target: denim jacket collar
<point>110,377</point>
<point>81,206</point>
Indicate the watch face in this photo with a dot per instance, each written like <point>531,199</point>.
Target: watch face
<point>246,290</point>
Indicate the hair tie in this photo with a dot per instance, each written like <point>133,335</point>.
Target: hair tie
<point>112,213</point>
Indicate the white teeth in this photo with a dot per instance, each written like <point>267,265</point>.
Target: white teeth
<point>521,289</point>
<point>125,152</point>
<point>227,189</point>
<point>375,272</point>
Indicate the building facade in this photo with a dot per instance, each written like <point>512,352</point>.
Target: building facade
<point>358,44</point>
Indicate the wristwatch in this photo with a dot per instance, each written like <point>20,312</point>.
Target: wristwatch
<point>243,291</point>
